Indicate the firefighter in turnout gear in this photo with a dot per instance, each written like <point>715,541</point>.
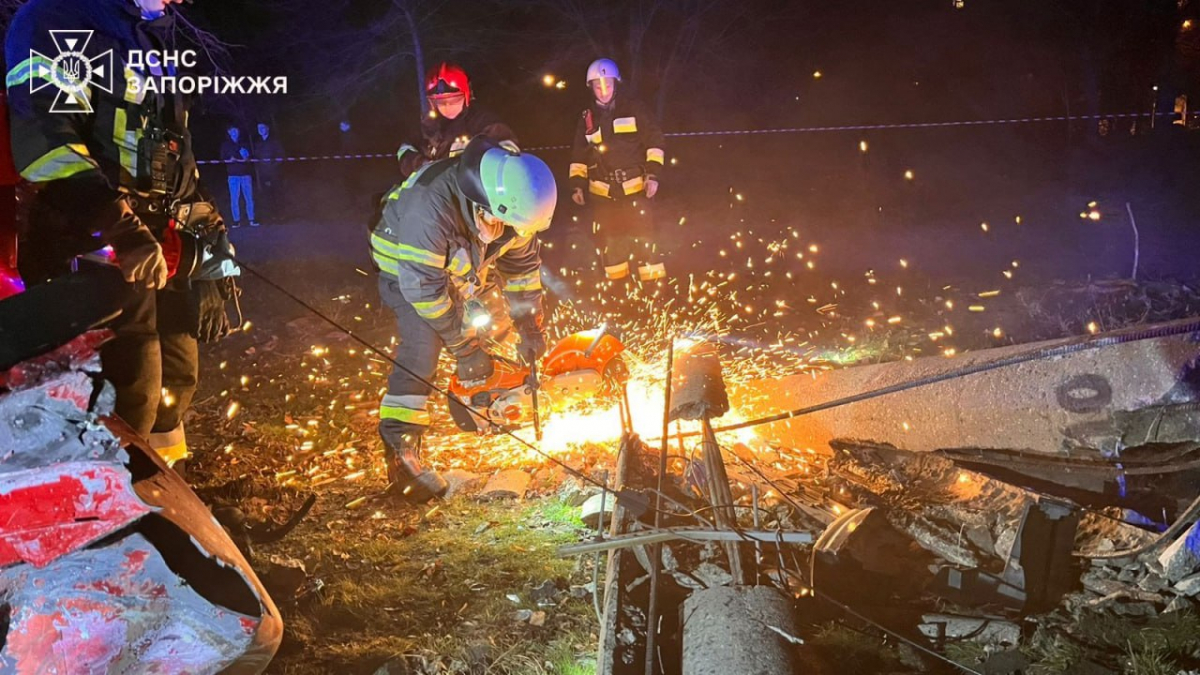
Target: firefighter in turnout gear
<point>453,120</point>
<point>443,231</point>
<point>116,169</point>
<point>616,159</point>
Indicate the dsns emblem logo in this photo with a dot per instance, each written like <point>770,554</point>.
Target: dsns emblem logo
<point>72,72</point>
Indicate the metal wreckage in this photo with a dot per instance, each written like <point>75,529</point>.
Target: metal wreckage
<point>108,561</point>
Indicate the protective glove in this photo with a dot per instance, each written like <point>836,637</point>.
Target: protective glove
<point>651,188</point>
<point>474,364</point>
<point>577,196</point>
<point>532,347</point>
<point>212,322</point>
<point>143,264</point>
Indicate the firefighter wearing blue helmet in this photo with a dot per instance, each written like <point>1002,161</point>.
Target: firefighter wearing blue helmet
<point>443,231</point>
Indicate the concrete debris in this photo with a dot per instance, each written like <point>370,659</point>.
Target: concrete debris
<point>545,594</point>
<point>1182,557</point>
<point>460,482</point>
<point>1189,585</point>
<point>284,576</point>
<point>537,619</point>
<point>590,513</point>
<point>1178,604</point>
<point>711,575</point>
<point>510,484</point>
<point>981,630</point>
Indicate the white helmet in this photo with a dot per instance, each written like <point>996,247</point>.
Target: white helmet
<point>603,68</point>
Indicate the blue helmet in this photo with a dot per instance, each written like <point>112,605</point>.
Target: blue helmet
<point>513,186</point>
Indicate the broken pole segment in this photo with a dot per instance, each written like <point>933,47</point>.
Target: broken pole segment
<point>1138,388</point>
<point>729,629</point>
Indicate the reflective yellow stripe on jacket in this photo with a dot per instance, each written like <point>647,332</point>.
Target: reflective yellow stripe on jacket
<point>61,162</point>
<point>405,252</point>
<point>654,155</point>
<point>579,170</point>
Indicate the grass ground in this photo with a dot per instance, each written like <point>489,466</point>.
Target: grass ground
<point>441,591</point>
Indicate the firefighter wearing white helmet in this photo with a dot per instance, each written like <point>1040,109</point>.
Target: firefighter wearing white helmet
<point>444,230</point>
<point>616,160</point>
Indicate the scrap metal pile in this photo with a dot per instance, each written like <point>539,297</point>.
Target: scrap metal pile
<point>979,501</point>
<point>108,561</point>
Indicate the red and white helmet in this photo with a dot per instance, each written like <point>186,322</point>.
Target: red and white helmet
<point>446,80</point>
<point>603,68</point>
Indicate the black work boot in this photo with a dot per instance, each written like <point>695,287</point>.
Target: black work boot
<point>402,451</point>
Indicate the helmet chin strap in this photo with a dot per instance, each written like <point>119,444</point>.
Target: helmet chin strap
<point>489,229</point>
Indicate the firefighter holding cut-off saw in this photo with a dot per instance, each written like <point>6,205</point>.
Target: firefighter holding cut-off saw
<point>616,159</point>
<point>443,231</point>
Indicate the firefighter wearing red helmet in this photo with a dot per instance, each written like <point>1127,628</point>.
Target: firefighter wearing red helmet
<point>616,159</point>
<point>453,120</point>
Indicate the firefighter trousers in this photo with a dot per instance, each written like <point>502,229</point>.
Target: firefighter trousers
<point>153,363</point>
<point>624,228</point>
<point>419,348</point>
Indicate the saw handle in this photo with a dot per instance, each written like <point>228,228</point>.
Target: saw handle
<point>596,341</point>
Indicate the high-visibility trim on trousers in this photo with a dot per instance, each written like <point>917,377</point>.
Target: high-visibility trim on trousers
<point>405,408</point>
<point>617,271</point>
<point>652,272</point>
<point>432,309</point>
<point>171,445</point>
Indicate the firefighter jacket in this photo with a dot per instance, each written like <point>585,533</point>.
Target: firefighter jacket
<point>81,162</point>
<point>442,137</point>
<point>617,148</point>
<point>429,242</point>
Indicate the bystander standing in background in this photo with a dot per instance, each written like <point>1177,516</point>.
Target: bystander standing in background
<point>266,149</point>
<point>236,155</point>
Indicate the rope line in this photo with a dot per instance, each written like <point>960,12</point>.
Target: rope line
<point>745,132</point>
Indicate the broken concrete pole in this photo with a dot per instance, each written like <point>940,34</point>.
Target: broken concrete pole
<point>697,384</point>
<point>748,630</point>
<point>1088,403</point>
